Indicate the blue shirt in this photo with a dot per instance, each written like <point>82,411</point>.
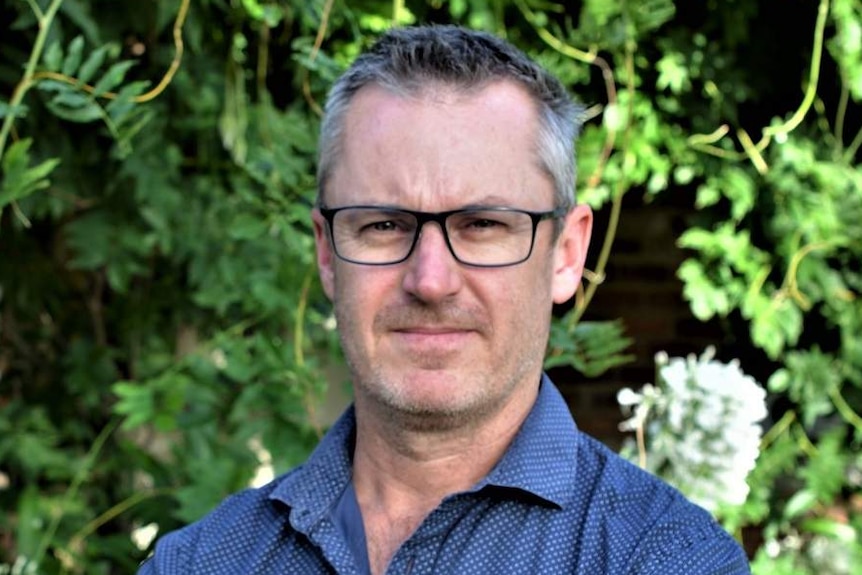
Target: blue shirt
<point>557,502</point>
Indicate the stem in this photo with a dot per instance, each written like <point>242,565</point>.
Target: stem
<point>113,512</point>
<point>752,152</point>
<point>850,153</point>
<point>35,8</point>
<point>298,340</point>
<point>841,113</point>
<point>804,442</point>
<point>45,21</point>
<point>299,328</point>
<point>813,77</point>
<point>844,409</point>
<point>619,192</point>
<point>777,429</point>
<point>178,56</point>
<point>642,453</point>
<point>397,9</point>
<point>810,93</point>
<point>590,58</point>
<point>604,255</point>
<point>318,42</point>
<point>789,285</point>
<point>71,493</point>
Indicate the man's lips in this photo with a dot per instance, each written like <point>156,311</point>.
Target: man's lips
<point>444,336</point>
<point>425,330</point>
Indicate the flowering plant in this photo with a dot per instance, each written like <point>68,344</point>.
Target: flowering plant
<point>697,427</point>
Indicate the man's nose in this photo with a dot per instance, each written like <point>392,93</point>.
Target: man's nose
<point>433,273</point>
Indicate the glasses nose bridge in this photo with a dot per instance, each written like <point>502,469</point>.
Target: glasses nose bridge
<point>439,218</point>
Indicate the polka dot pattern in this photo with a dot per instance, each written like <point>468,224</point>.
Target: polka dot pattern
<point>557,502</point>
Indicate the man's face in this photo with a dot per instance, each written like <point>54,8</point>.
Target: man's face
<point>431,340</point>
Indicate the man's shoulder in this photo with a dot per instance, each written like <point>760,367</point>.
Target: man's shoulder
<point>663,527</point>
<point>240,521</point>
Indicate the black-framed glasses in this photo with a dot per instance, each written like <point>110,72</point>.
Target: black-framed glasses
<point>482,237</point>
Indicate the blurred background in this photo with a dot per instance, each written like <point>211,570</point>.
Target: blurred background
<point>164,340</point>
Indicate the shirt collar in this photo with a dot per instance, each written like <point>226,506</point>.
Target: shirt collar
<point>540,462</point>
<point>312,489</point>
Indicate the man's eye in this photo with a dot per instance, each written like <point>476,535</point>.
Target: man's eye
<point>383,226</point>
<point>485,223</point>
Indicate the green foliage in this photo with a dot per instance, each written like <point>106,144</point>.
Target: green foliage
<point>19,178</point>
<point>592,348</point>
<point>156,253</point>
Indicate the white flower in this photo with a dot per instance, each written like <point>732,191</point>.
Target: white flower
<point>639,404</point>
<point>143,536</point>
<point>701,423</point>
<point>219,358</point>
<point>265,471</point>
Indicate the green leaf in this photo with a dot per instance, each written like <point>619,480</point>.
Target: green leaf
<point>614,118</point>
<point>706,299</point>
<point>672,73</point>
<point>739,188</point>
<point>135,402</point>
<point>831,528</point>
<point>73,57</point>
<point>91,65</point>
<point>707,195</point>
<point>31,522</point>
<point>75,107</point>
<point>775,326</point>
<point>113,77</point>
<point>247,226</point>
<point>779,381</point>
<point>53,56</point>
<point>19,178</point>
<point>799,503</point>
<point>18,111</point>
<point>592,348</point>
<point>825,469</point>
<point>79,14</point>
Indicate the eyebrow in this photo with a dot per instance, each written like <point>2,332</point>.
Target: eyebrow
<point>487,201</point>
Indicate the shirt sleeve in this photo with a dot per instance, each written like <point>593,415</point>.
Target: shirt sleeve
<point>170,557</point>
<point>707,558</point>
<point>719,554</point>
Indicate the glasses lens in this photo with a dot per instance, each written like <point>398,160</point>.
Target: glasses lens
<point>490,237</point>
<point>486,237</point>
<point>373,235</point>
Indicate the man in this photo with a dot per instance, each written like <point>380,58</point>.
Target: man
<point>446,230</point>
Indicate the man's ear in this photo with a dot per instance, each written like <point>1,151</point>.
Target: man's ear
<point>325,254</point>
<point>570,253</point>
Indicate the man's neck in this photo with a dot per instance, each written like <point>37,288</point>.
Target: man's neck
<point>401,475</point>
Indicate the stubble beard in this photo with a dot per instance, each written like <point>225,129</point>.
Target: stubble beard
<point>386,394</point>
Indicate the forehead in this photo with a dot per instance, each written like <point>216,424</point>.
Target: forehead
<point>439,146</point>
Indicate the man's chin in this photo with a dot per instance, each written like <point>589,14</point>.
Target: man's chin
<point>429,399</point>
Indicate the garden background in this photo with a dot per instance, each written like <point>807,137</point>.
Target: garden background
<point>163,336</point>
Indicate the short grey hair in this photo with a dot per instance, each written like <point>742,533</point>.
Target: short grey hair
<point>408,60</point>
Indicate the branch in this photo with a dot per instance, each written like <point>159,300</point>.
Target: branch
<point>24,84</point>
<point>71,494</point>
<point>298,341</point>
<point>142,98</point>
<point>844,409</point>
<point>619,192</point>
<point>592,59</point>
<point>318,42</point>
<point>752,151</point>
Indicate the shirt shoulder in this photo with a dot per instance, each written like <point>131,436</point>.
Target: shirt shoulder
<point>238,524</point>
<point>663,531</point>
